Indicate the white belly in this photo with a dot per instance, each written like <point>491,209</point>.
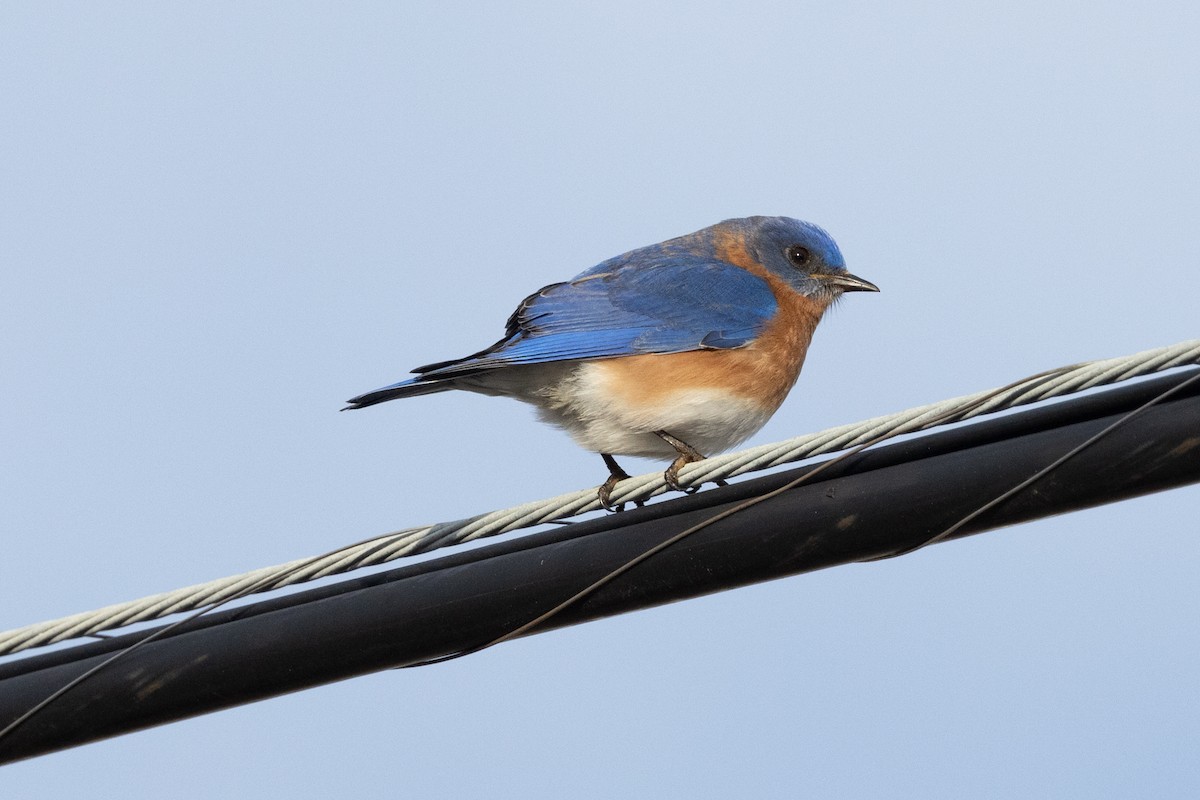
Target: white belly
<point>576,397</point>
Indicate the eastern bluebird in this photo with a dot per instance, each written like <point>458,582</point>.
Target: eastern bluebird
<point>673,350</point>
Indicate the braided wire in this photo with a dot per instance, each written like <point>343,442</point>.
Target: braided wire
<point>413,541</point>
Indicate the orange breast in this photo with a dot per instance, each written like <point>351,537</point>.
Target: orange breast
<point>763,371</point>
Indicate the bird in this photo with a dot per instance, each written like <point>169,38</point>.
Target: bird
<point>675,351</point>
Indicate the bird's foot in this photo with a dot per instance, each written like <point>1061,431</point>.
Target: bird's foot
<point>615,476</point>
<point>604,493</point>
<point>687,455</point>
<point>671,476</point>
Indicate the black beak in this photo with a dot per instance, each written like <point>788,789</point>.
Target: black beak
<point>850,283</point>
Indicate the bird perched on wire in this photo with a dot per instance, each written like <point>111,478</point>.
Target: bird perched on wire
<point>673,350</point>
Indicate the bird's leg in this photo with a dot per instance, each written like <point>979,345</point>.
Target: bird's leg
<point>687,455</point>
<point>615,476</point>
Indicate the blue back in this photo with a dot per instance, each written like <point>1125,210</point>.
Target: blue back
<point>678,304</point>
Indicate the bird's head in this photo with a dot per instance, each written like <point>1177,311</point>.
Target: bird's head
<point>801,254</point>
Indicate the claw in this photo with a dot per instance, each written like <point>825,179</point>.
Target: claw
<point>615,476</point>
<point>687,455</point>
<point>671,476</point>
<point>604,493</point>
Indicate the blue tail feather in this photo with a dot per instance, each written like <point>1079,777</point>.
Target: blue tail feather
<point>408,388</point>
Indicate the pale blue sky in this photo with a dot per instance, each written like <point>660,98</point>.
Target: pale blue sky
<point>220,220</point>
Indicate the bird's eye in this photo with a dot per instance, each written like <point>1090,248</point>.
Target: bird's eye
<point>799,255</point>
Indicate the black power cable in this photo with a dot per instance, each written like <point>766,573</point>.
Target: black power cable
<point>872,504</point>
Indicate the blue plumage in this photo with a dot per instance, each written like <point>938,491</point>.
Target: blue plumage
<point>683,304</point>
<point>681,295</point>
<point>665,309</point>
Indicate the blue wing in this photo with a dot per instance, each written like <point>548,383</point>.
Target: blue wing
<point>616,309</point>
<point>668,308</point>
